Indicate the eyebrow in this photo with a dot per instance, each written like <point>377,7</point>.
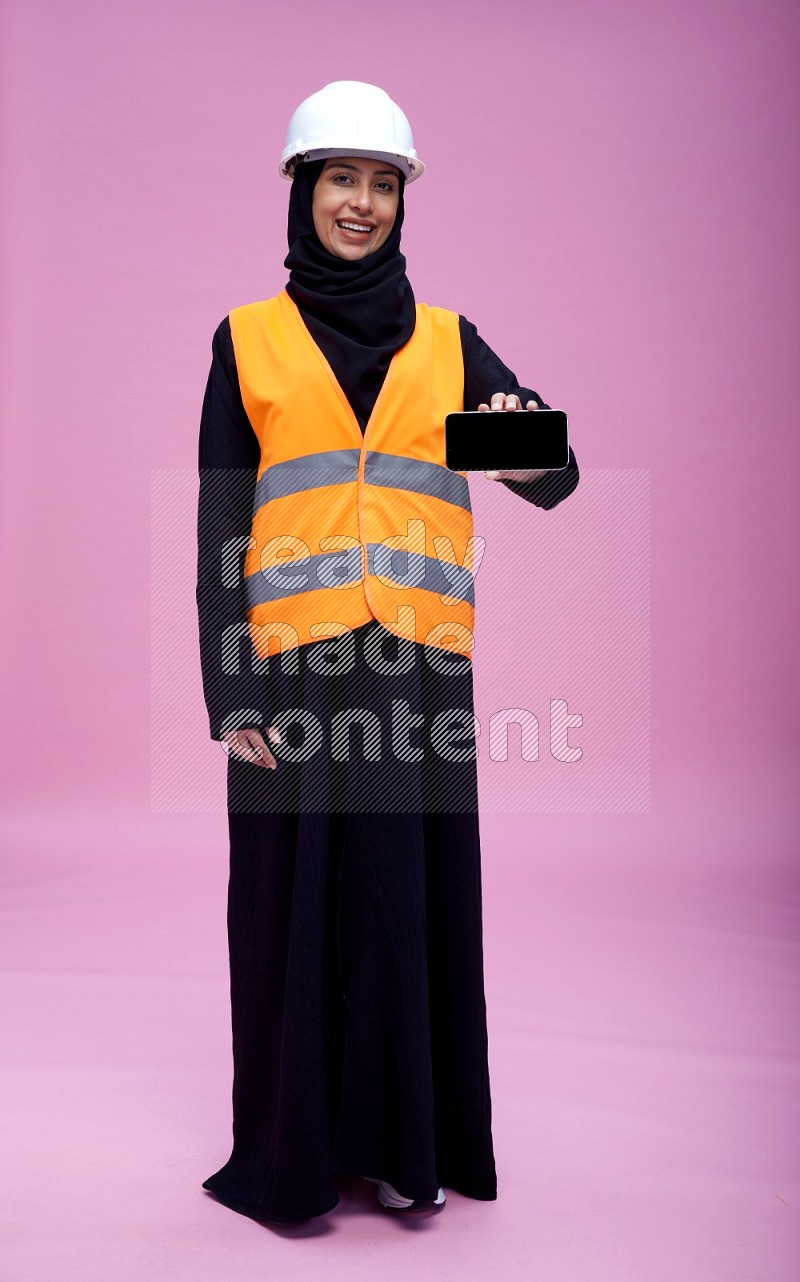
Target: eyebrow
<point>391,172</point>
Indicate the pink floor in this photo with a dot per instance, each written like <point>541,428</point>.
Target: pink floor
<point>642,998</point>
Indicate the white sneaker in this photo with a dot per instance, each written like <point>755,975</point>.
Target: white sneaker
<point>388,1196</point>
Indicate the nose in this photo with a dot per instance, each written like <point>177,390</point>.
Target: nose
<point>361,198</point>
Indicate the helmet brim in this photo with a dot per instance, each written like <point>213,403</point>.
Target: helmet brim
<point>411,166</point>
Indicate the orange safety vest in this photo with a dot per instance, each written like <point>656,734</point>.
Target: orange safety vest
<point>347,526</point>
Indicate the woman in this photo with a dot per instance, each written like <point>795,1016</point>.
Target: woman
<point>354,900</point>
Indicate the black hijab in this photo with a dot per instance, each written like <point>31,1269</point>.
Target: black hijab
<point>358,312</point>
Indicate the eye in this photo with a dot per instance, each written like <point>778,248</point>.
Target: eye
<point>346,177</point>
<point>387,187</point>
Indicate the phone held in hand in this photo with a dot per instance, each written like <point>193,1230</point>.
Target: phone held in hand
<point>505,440</point>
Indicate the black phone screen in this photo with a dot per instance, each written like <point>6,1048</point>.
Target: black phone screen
<point>480,441</point>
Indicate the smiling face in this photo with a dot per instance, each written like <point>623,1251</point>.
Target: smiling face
<point>352,193</point>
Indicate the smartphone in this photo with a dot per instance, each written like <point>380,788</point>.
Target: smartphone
<point>482,440</point>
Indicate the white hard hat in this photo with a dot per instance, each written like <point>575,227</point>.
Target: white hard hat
<point>350,118</point>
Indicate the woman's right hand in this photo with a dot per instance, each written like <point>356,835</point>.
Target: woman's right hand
<point>250,745</point>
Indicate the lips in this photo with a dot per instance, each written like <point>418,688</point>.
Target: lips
<point>353,228</point>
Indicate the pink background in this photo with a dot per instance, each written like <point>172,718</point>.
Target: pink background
<point>612,197</point>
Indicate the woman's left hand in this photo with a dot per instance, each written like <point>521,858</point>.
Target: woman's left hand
<point>500,401</point>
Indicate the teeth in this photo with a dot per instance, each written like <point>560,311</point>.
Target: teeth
<point>354,226</point>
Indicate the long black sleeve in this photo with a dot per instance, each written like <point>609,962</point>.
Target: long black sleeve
<point>485,374</point>
<point>228,459</point>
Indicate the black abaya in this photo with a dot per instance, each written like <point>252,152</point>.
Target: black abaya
<point>358,1011</point>
<point>359,1027</point>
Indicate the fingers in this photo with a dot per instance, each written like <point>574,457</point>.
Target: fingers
<point>243,745</point>
<point>510,401</point>
<point>256,749</point>
<point>507,401</point>
<point>502,402</point>
<point>249,745</point>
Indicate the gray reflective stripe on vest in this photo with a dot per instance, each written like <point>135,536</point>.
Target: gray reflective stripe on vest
<point>401,473</point>
<point>425,572</point>
<point>335,569</point>
<point>289,578</point>
<point>329,467</point>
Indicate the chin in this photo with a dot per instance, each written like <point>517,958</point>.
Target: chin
<point>354,255</point>
<point>351,251</point>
